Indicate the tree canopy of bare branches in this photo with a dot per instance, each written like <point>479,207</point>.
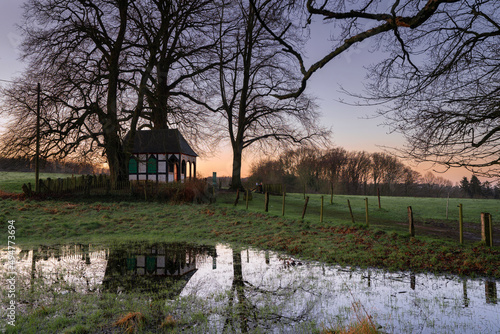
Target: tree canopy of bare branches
<point>252,69</point>
<point>440,76</point>
<point>443,92</point>
<point>107,67</point>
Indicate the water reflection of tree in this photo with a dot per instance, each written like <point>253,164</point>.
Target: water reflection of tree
<point>243,303</point>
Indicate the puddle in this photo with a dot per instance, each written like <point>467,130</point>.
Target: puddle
<point>263,289</point>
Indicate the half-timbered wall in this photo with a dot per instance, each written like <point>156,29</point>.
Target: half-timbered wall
<point>162,167</point>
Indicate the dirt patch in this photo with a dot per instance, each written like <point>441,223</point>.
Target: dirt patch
<point>450,230</point>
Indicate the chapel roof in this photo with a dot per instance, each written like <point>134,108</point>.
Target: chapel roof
<point>161,141</point>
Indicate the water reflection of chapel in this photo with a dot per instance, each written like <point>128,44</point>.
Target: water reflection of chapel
<point>153,267</point>
<point>161,155</point>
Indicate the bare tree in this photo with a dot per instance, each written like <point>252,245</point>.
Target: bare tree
<point>444,89</point>
<point>358,21</point>
<point>440,79</point>
<point>332,163</point>
<point>107,67</point>
<point>177,40</point>
<point>75,49</point>
<point>435,184</point>
<point>356,171</point>
<point>253,69</point>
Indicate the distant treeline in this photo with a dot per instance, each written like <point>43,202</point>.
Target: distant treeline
<point>359,173</point>
<point>48,166</point>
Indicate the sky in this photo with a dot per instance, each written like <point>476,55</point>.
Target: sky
<point>353,128</point>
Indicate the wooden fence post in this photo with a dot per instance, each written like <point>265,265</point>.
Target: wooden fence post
<point>461,223</point>
<point>331,196</point>
<point>283,206</point>
<point>485,228</point>
<point>305,207</point>
<point>366,212</point>
<point>321,212</point>
<point>350,211</point>
<point>410,221</point>
<point>491,230</point>
<point>266,200</point>
<point>378,195</point>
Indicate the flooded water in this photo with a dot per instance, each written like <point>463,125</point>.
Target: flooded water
<point>266,290</point>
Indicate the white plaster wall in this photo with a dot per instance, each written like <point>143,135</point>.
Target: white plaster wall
<point>162,166</point>
<point>142,167</point>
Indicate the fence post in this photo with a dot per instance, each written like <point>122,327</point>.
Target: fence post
<point>283,206</point>
<point>331,196</point>
<point>350,211</point>
<point>378,195</point>
<point>366,212</point>
<point>305,207</point>
<point>461,223</point>
<point>410,221</point>
<point>321,212</point>
<point>88,185</point>
<point>491,230</point>
<point>485,228</point>
<point>266,200</point>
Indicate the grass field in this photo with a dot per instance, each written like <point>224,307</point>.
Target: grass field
<point>12,182</point>
<point>429,213</point>
<point>385,243</point>
<point>103,219</point>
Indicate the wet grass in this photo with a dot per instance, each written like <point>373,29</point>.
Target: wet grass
<point>385,243</point>
<point>392,215</point>
<point>126,313</point>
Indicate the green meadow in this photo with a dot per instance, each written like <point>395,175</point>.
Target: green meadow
<point>384,242</point>
<point>334,239</point>
<point>12,182</point>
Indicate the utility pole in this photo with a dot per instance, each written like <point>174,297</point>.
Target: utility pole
<point>37,154</point>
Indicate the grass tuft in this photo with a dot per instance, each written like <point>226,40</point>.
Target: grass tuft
<point>131,322</point>
<point>362,325</point>
<point>169,322</point>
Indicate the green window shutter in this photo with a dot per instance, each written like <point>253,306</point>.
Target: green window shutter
<point>132,166</point>
<point>131,263</point>
<point>150,264</point>
<point>152,165</point>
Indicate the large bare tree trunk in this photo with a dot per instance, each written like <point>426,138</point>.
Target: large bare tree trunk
<point>117,159</point>
<point>236,177</point>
